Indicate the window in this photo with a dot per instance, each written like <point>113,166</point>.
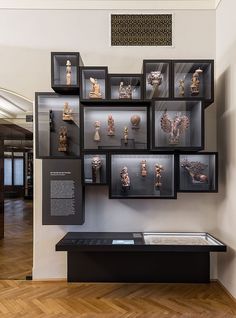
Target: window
<point>18,172</point>
<point>13,170</point>
<point>8,171</point>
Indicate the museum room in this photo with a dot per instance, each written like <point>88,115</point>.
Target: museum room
<point>118,167</point>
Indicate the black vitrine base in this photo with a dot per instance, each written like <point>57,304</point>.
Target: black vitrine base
<point>134,267</point>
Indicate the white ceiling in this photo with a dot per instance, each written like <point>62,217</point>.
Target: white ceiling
<point>111,4</point>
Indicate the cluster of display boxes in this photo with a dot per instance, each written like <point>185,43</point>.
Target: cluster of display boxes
<point>138,133</point>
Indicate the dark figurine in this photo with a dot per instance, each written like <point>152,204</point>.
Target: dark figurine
<point>195,170</point>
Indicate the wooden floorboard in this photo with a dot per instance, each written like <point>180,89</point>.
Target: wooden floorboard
<point>61,299</point>
<point>16,248</point>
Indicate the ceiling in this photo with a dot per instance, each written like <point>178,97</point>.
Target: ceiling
<point>110,4</point>
<point>14,108</point>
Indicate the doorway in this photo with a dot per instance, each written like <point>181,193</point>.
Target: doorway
<point>16,187</point>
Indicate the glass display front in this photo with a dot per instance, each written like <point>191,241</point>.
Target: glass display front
<point>125,86</point>
<point>95,169</point>
<point>192,79</point>
<point>198,172</point>
<point>65,69</point>
<point>178,125</point>
<point>93,83</point>
<point>144,175</point>
<point>58,132</point>
<point>115,127</point>
<point>156,79</point>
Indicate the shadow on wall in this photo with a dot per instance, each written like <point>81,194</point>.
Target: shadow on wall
<point>226,116</point>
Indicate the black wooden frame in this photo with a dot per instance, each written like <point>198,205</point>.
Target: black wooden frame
<point>66,89</point>
<point>37,155</point>
<point>215,171</point>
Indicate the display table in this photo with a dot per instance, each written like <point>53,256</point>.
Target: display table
<point>139,257</point>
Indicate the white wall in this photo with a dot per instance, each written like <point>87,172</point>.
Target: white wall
<point>25,46</point>
<point>226,105</point>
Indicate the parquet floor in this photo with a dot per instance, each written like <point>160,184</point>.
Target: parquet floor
<point>16,249</point>
<point>60,299</point>
<point>29,299</point>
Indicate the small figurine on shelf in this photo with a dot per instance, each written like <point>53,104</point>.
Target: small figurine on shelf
<point>95,92</point>
<point>126,134</point>
<point>144,168</point>
<point>135,121</point>
<point>125,92</point>
<point>154,79</point>
<point>195,86</point>
<point>124,178</point>
<point>195,170</point>
<point>174,127</point>
<point>158,171</point>
<point>51,121</point>
<point>96,169</point>
<point>63,142</point>
<point>68,72</point>
<point>181,87</point>
<point>97,125</point>
<point>111,126</point>
<point>67,112</point>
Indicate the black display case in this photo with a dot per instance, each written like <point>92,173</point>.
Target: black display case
<point>178,125</point>
<point>139,257</point>
<point>125,86</point>
<point>194,79</point>
<point>142,176</point>
<point>157,79</point>
<point>93,81</point>
<point>65,72</point>
<point>95,169</point>
<point>57,122</point>
<point>115,126</point>
<point>198,172</point>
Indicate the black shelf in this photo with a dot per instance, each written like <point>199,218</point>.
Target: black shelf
<point>184,70</point>
<point>157,85</point>
<point>98,74</point>
<point>59,61</point>
<point>49,120</point>
<point>147,185</point>
<point>177,125</point>
<point>198,172</point>
<point>125,87</point>
<point>138,137</point>
<point>91,175</point>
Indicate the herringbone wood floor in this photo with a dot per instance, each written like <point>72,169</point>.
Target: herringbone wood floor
<point>60,299</point>
<point>16,249</point>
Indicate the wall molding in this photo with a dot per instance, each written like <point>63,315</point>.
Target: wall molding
<point>109,4</point>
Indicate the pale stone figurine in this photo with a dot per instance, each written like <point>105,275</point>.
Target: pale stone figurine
<point>68,72</point>
<point>195,86</point>
<point>97,125</point>
<point>67,112</point>
<point>126,134</point>
<point>158,171</point>
<point>124,178</point>
<point>96,169</point>
<point>63,142</point>
<point>155,78</point>
<point>111,126</point>
<point>143,168</point>
<point>95,92</point>
<point>125,92</point>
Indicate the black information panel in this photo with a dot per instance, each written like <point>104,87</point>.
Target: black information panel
<point>63,194</point>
